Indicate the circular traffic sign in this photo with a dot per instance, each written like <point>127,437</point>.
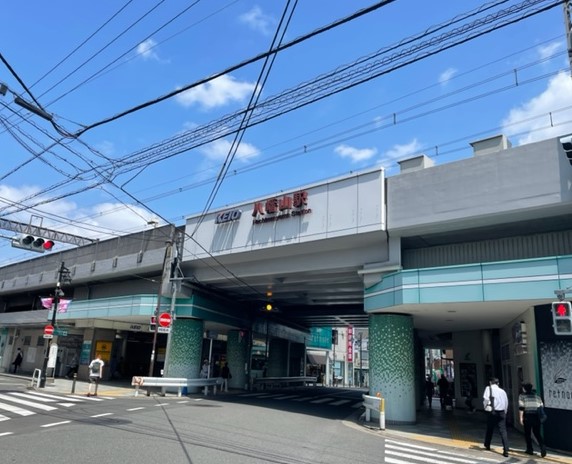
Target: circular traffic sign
<point>49,330</point>
<point>164,319</point>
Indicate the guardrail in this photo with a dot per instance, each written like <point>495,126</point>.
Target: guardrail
<point>265,382</point>
<point>374,403</point>
<point>179,383</point>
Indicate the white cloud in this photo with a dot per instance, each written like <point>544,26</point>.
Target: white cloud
<point>531,121</point>
<point>546,51</point>
<point>355,154</point>
<point>99,220</point>
<point>148,50</point>
<point>257,20</point>
<point>447,75</point>
<point>218,150</point>
<point>218,92</point>
<point>398,152</point>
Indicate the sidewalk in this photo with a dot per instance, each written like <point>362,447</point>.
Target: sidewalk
<point>460,429</point>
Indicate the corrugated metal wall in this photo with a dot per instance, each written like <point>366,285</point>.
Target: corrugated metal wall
<point>504,249</point>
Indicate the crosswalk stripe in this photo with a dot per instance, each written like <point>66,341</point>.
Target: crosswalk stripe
<point>67,405</point>
<point>339,402</point>
<point>16,410</point>
<point>43,407</point>
<point>6,433</point>
<point>358,405</point>
<point>286,397</point>
<point>432,457</point>
<point>321,400</point>
<point>31,397</point>
<point>3,417</point>
<point>86,398</point>
<point>55,397</point>
<point>270,395</point>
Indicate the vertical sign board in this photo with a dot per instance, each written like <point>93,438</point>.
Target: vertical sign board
<point>53,356</point>
<point>103,349</point>
<point>350,344</point>
<point>84,358</point>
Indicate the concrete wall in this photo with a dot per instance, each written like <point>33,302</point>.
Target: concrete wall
<point>501,187</point>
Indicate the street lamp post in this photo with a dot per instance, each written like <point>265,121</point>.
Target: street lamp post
<point>63,273</point>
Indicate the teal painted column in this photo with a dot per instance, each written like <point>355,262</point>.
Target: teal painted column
<point>236,355</point>
<point>185,348</point>
<point>392,365</point>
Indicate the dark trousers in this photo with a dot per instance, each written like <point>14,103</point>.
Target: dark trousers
<point>496,419</point>
<point>532,425</point>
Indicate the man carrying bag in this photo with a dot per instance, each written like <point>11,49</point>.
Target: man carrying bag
<point>495,403</point>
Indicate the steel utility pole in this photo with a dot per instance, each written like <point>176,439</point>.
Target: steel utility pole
<point>63,274</point>
<point>164,271</point>
<point>567,5</point>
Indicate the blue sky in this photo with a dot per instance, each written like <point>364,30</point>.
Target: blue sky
<point>85,62</point>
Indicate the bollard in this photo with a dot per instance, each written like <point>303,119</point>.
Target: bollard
<point>73,383</point>
<point>382,414</point>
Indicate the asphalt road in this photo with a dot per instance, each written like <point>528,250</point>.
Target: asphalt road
<point>302,426</point>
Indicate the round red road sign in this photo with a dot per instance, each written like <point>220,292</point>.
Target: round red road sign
<point>164,319</point>
<point>49,330</point>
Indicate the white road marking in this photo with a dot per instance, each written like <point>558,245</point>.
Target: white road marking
<point>135,409</point>
<point>16,409</point>
<point>321,400</point>
<point>53,424</point>
<point>162,404</point>
<point>43,407</point>
<point>32,397</point>
<point>287,397</point>
<point>339,402</point>
<point>86,398</point>
<point>67,405</point>
<point>55,397</point>
<point>104,414</point>
<point>6,433</point>
<point>183,402</point>
<point>3,418</point>
<point>358,405</point>
<point>304,398</point>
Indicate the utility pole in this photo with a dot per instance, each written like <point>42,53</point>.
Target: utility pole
<point>567,6</point>
<point>164,270</point>
<point>176,277</point>
<point>63,275</point>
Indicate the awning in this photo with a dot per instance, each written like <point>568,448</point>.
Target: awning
<point>318,359</point>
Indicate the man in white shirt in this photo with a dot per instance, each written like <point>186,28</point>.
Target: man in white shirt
<point>495,400</point>
<point>95,374</point>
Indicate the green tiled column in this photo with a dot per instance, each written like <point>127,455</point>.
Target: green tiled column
<point>392,365</point>
<point>185,350</point>
<point>236,355</point>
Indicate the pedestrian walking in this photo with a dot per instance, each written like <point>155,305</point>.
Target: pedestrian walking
<point>95,374</point>
<point>495,403</point>
<point>443,385</point>
<point>205,369</point>
<point>529,404</point>
<point>74,364</point>
<point>226,375</point>
<point>18,360</point>
<point>429,391</point>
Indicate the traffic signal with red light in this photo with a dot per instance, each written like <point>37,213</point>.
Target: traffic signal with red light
<point>32,243</point>
<point>562,317</point>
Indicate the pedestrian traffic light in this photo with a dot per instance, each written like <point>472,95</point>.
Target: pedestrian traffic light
<point>562,317</point>
<point>32,243</point>
<point>334,337</point>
